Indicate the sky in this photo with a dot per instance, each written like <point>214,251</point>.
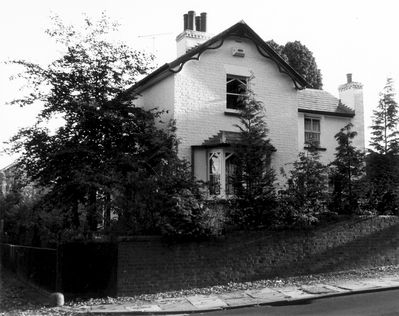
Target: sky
<point>345,36</point>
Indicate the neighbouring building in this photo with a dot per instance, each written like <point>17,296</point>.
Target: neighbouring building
<point>200,89</point>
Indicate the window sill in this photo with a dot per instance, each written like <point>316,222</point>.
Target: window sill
<point>315,148</point>
<point>232,112</point>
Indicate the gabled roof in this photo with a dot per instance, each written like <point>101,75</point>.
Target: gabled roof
<point>322,102</point>
<point>240,29</point>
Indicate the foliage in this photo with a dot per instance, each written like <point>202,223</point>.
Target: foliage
<point>253,180</point>
<point>299,57</point>
<point>385,133</point>
<point>279,49</point>
<point>17,208</point>
<point>108,157</point>
<point>382,175</point>
<point>347,169</point>
<point>306,194</point>
<point>382,166</point>
<point>189,218</point>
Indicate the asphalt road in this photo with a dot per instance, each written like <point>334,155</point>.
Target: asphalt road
<point>384,303</point>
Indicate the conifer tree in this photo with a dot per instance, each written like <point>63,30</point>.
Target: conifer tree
<point>383,161</point>
<point>305,196</point>
<point>254,178</point>
<point>347,167</point>
<point>384,133</point>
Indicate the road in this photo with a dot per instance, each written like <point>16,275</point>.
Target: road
<point>384,303</point>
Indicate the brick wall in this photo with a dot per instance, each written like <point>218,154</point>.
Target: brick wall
<point>151,265</point>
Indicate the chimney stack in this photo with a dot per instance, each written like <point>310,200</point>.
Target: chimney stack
<point>185,18</point>
<point>349,78</point>
<point>194,32</point>
<point>191,15</point>
<point>203,22</point>
<point>198,23</point>
<point>351,95</point>
<point>193,22</point>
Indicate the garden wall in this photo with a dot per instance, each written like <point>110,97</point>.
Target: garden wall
<point>148,265</point>
<point>33,264</point>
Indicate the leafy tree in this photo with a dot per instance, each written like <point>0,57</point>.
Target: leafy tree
<point>17,209</point>
<point>84,86</point>
<point>278,48</point>
<point>348,168</point>
<point>254,178</point>
<point>384,133</point>
<point>305,197</point>
<point>301,59</point>
<point>108,156</point>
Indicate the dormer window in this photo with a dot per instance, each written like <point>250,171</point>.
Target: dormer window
<point>236,86</point>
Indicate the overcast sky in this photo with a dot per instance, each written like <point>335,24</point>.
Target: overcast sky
<point>351,36</point>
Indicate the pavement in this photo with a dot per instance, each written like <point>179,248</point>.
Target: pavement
<point>288,295</point>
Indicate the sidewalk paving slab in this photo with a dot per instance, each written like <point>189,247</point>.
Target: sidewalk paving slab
<point>206,302</point>
<point>351,285</point>
<point>175,304</point>
<point>295,293</point>
<point>383,282</point>
<point>238,299</point>
<point>267,295</point>
<point>317,289</point>
<point>336,289</point>
<point>144,308</point>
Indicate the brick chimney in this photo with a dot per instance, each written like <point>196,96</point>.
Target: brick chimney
<point>194,32</point>
<point>351,95</point>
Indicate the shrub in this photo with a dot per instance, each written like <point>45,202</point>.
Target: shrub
<point>187,217</point>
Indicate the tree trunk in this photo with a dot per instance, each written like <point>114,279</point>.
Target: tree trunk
<point>107,211</point>
<point>92,210</point>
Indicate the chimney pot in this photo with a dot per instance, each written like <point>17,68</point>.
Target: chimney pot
<point>198,23</point>
<point>185,18</point>
<point>191,15</point>
<point>349,78</point>
<point>203,22</point>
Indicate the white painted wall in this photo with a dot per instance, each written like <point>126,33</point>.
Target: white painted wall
<point>351,94</point>
<point>160,95</point>
<point>196,99</point>
<point>329,126</point>
<point>201,99</point>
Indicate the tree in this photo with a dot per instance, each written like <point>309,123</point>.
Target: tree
<point>299,57</point>
<point>384,133</point>
<point>383,161</point>
<point>305,197</point>
<point>108,156</point>
<point>84,86</point>
<point>254,178</point>
<point>347,168</point>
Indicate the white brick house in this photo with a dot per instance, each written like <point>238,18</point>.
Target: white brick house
<point>197,89</point>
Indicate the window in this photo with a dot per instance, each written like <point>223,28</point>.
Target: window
<point>235,87</point>
<point>221,168</point>
<point>215,170</point>
<point>312,131</point>
<point>230,166</point>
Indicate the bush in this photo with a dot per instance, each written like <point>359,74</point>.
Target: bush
<point>305,196</point>
<point>187,217</point>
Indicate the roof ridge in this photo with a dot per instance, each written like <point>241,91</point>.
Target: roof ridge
<point>238,29</point>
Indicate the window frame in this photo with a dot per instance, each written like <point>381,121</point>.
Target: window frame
<point>312,131</point>
<point>225,154</point>
<point>244,80</point>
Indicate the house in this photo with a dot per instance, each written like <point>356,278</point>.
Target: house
<point>200,89</point>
